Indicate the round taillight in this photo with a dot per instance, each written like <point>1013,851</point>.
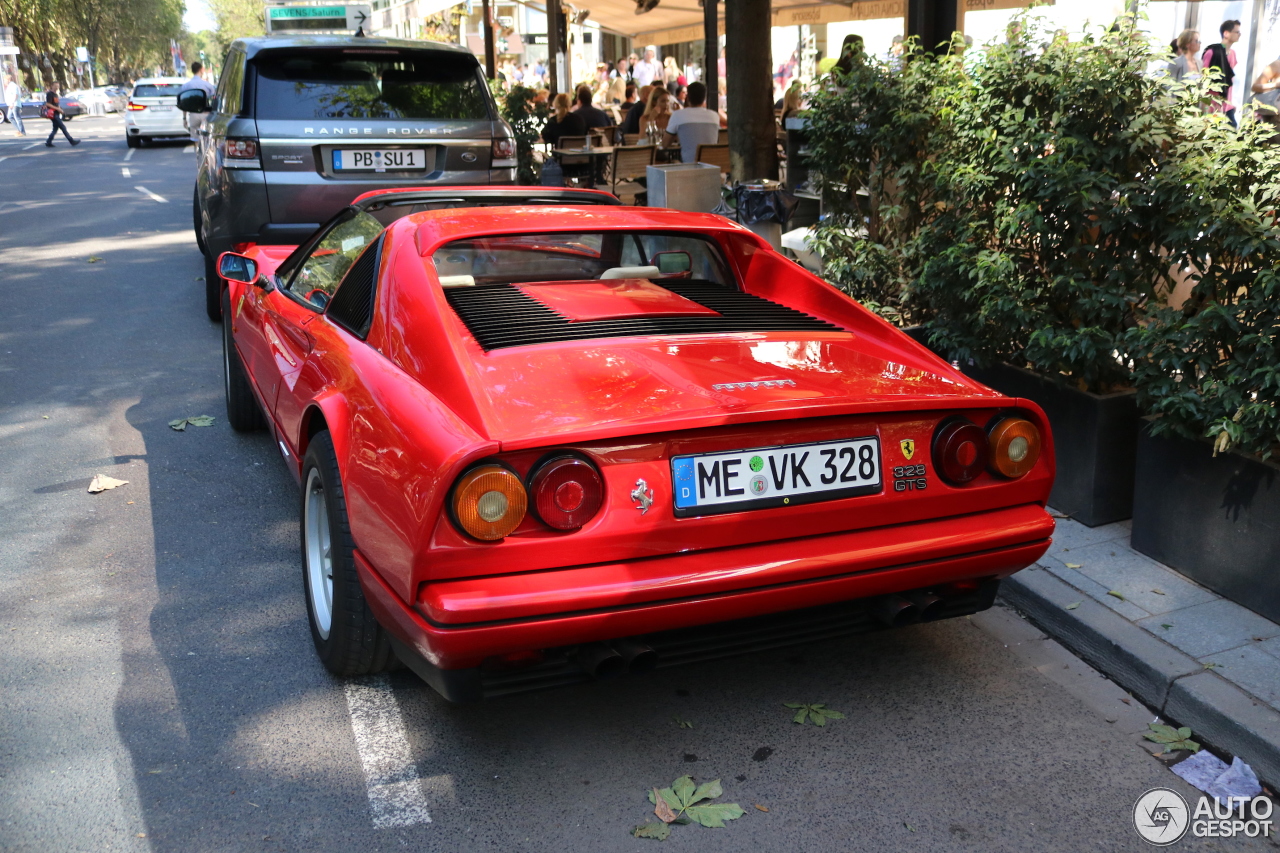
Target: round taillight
<point>959,451</point>
<point>567,492</point>
<point>489,502</point>
<point>1014,445</point>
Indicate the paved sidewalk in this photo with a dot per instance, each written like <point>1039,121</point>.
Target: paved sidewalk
<point>1191,654</point>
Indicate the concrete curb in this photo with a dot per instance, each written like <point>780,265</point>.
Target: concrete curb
<point>1161,676</point>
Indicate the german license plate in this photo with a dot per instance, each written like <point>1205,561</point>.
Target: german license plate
<point>709,483</point>
<point>163,108</point>
<point>379,159</point>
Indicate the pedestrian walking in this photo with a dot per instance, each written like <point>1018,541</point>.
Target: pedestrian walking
<point>196,120</point>
<point>1222,56</point>
<point>13,103</point>
<point>1187,64</point>
<point>1266,96</point>
<point>53,112</point>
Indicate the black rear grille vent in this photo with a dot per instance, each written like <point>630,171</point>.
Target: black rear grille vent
<point>501,315</point>
<point>352,303</point>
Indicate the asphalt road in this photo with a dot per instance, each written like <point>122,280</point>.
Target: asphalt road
<point>158,688</point>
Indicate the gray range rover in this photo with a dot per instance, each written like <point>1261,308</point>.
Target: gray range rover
<point>301,125</point>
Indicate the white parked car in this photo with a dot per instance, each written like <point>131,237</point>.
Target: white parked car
<point>152,111</point>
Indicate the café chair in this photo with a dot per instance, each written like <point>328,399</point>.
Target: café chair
<point>714,155</point>
<point>629,162</point>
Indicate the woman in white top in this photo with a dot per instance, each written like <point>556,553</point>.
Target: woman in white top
<point>1187,66</point>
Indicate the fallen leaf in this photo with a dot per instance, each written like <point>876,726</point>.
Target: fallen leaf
<point>1157,592</point>
<point>658,831</point>
<point>662,808</point>
<point>46,417</point>
<point>1171,738</point>
<point>682,723</point>
<point>101,483</point>
<point>817,712</point>
<point>1115,594</point>
<point>1073,605</point>
<point>760,807</point>
<point>180,424</point>
<point>201,420</point>
<point>1166,625</point>
<point>93,259</point>
<point>1073,565</point>
<point>199,278</point>
<point>1126,700</point>
<point>909,826</point>
<point>1212,665</point>
<point>713,815</point>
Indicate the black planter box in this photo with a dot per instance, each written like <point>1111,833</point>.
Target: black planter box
<point>1094,438</point>
<point>1216,520</point>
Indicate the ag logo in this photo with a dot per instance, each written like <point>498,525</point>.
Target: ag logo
<point>1161,816</point>
<point>908,448</point>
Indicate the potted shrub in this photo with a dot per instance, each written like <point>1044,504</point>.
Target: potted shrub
<point>1023,232</point>
<point>1207,496</point>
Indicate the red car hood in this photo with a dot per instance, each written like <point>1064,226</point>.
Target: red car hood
<point>529,396</point>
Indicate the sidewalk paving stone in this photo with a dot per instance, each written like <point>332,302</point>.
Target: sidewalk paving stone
<point>1115,566</point>
<point>1071,535</point>
<point>1251,668</point>
<point>1271,647</point>
<point>1214,626</point>
<point>1095,590</point>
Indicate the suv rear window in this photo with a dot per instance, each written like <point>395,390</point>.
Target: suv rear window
<point>156,90</point>
<point>365,83</point>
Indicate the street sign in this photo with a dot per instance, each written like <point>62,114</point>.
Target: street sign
<point>82,54</point>
<point>334,18</point>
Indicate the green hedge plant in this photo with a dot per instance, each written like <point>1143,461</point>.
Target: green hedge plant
<point>517,108</point>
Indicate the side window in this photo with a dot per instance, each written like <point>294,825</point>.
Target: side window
<point>352,305</point>
<point>320,271</point>
<point>231,86</point>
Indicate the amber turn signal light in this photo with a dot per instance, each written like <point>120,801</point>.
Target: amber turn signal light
<point>959,451</point>
<point>489,502</point>
<point>1014,446</point>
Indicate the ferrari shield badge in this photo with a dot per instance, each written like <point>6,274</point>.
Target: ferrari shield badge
<point>908,448</point>
<point>643,496</point>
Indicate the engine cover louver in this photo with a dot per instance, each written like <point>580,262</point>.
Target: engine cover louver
<point>501,315</point>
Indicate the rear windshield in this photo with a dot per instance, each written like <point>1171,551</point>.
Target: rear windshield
<point>366,83</point>
<point>516,258</point>
<point>156,90</point>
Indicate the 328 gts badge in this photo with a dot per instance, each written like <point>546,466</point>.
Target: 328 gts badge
<point>907,478</point>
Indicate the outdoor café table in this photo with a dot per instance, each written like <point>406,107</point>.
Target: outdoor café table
<point>596,152</point>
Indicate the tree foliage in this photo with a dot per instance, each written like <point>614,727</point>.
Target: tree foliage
<point>126,39</point>
<point>527,118</point>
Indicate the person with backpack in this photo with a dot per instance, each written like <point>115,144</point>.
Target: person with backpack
<point>53,113</point>
<point>1222,56</point>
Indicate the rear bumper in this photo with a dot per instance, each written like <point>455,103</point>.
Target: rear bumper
<point>457,624</point>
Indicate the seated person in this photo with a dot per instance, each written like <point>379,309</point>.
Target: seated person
<point>563,122</point>
<point>591,115</point>
<point>694,125</point>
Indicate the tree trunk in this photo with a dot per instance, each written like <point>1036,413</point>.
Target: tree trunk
<point>711,35</point>
<point>753,132</point>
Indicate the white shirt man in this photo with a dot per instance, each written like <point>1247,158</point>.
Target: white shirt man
<point>646,69</point>
<point>694,125</point>
<point>196,120</point>
<point>13,104</point>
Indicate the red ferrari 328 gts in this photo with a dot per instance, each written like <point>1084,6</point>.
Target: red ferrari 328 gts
<point>543,438</point>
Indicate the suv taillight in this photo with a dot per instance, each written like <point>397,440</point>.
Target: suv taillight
<point>504,149</point>
<point>133,107</point>
<point>240,149</point>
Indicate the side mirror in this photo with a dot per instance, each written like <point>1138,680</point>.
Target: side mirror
<point>193,101</point>
<point>673,263</point>
<point>235,267</point>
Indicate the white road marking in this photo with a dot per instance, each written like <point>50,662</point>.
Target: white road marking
<point>129,154</point>
<point>395,792</point>
<point>149,194</point>
<point>32,145</point>
<point>2,159</point>
<point>124,170</point>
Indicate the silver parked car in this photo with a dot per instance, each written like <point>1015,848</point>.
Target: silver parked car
<point>301,125</point>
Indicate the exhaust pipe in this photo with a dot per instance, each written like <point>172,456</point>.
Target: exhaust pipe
<point>638,657</point>
<point>929,605</point>
<point>599,660</point>
<point>895,611</point>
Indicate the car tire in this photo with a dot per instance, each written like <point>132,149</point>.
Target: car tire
<point>195,220</point>
<point>212,288</point>
<point>347,637</point>
<point>132,141</point>
<point>243,412</point>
